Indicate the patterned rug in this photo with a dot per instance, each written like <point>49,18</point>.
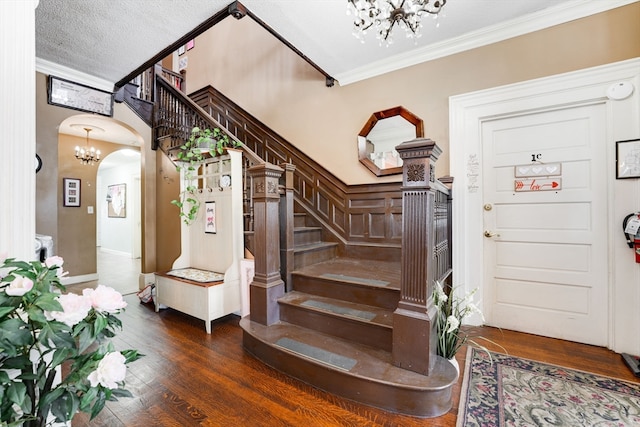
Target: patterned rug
<point>519,392</point>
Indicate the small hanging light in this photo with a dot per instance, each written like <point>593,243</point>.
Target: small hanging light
<point>88,155</point>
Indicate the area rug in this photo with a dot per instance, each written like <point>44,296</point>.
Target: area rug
<point>502,390</point>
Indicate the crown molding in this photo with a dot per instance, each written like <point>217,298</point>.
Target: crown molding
<point>564,12</point>
<point>51,68</point>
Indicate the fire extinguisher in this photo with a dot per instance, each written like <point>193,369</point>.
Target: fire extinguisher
<point>631,228</point>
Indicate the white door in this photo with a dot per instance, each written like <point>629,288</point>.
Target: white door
<point>545,251</point>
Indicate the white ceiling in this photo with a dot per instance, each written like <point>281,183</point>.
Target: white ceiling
<point>98,42</point>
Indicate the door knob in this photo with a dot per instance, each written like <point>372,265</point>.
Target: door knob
<point>488,233</point>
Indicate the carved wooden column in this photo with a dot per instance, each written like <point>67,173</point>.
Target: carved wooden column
<point>267,285</point>
<point>286,226</point>
<point>414,339</point>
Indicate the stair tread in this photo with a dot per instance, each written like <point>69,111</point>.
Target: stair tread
<point>358,312</point>
<point>347,356</point>
<point>315,245</point>
<point>306,228</point>
<point>364,272</point>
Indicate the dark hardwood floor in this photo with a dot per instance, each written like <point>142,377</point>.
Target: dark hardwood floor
<point>189,378</point>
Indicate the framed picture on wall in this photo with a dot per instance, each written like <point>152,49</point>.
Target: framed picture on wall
<point>68,94</point>
<point>210,217</point>
<point>628,159</point>
<point>117,201</point>
<point>71,192</point>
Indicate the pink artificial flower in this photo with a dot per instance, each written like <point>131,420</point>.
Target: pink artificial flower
<point>105,299</point>
<point>56,261</point>
<point>110,371</point>
<point>19,286</point>
<point>74,309</point>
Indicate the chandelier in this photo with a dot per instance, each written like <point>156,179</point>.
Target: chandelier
<point>88,155</point>
<point>383,15</point>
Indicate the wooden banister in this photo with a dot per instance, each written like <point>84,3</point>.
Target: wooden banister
<point>176,114</point>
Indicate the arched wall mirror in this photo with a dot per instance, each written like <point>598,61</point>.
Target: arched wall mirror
<point>381,134</point>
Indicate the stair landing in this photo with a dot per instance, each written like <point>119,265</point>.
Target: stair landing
<point>351,370</point>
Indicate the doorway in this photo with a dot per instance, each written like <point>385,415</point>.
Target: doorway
<point>544,201</point>
<point>546,260</point>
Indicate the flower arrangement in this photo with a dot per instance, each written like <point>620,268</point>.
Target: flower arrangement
<point>191,155</point>
<point>43,332</point>
<point>451,311</point>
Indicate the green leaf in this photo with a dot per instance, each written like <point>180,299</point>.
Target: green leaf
<point>65,406</point>
<point>60,355</point>
<point>97,407</point>
<point>17,393</point>
<point>47,399</point>
<point>87,399</point>
<point>85,339</point>
<point>6,310</point>
<point>48,302</point>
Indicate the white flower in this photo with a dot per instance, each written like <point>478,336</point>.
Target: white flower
<point>441,296</point>
<point>19,286</point>
<point>56,261</point>
<point>110,371</point>
<point>105,299</point>
<point>472,308</point>
<point>452,324</point>
<point>74,309</point>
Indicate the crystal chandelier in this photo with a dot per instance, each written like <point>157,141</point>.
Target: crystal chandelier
<point>383,15</point>
<point>88,155</point>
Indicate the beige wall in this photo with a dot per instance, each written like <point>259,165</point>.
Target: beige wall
<point>249,66</point>
<point>76,241</point>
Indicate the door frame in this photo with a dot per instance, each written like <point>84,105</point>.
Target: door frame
<point>467,112</point>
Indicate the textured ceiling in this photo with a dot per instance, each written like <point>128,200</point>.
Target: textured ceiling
<point>110,39</point>
<point>102,41</point>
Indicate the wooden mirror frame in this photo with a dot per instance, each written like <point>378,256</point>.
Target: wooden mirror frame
<point>368,127</point>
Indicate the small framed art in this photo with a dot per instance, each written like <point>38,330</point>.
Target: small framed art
<point>210,217</point>
<point>71,192</point>
<point>117,201</point>
<point>628,159</point>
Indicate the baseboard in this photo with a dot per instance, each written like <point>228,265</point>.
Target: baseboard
<point>72,280</point>
<point>114,252</point>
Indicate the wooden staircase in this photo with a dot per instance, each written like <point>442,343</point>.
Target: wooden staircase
<point>354,317</point>
<point>336,331</point>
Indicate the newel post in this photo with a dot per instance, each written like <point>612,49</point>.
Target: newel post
<point>267,285</point>
<point>414,338</point>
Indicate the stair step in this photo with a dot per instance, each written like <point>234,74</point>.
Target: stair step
<point>299,219</point>
<point>367,325</point>
<point>351,370</point>
<point>313,253</point>
<point>372,283</point>
<point>306,235</point>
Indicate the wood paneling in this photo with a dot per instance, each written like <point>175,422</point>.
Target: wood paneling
<point>362,214</point>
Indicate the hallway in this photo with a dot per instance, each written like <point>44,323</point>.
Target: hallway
<point>120,272</point>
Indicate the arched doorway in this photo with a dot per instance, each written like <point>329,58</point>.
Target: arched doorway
<point>82,229</point>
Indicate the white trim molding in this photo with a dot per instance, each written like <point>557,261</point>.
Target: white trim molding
<point>52,69</point>
<point>564,12</point>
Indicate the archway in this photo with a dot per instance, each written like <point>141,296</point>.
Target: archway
<point>78,226</point>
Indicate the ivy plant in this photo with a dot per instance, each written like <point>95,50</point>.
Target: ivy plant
<point>202,144</point>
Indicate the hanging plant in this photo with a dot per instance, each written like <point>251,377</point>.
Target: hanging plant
<point>202,144</point>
